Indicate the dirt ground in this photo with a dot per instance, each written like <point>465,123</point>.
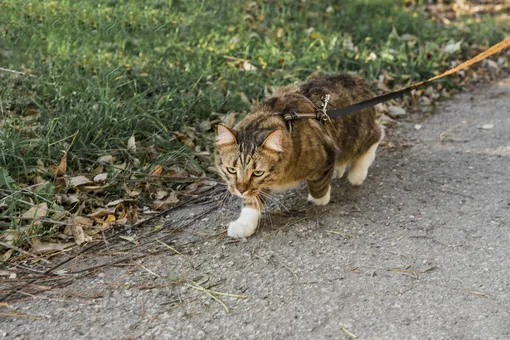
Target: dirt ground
<point>420,251</point>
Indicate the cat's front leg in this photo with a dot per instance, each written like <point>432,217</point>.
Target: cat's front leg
<point>248,221</point>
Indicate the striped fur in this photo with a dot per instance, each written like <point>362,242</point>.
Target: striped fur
<point>304,150</point>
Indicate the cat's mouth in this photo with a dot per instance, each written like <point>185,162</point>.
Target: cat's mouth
<point>246,194</point>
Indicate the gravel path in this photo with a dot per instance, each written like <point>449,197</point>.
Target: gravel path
<point>420,251</point>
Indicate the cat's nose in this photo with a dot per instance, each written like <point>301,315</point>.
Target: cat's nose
<point>242,187</point>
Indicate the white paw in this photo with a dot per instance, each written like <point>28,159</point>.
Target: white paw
<point>357,177</point>
<point>321,201</point>
<point>245,225</point>
<point>339,171</point>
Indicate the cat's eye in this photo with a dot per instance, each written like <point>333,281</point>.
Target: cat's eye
<point>258,173</point>
<point>232,170</point>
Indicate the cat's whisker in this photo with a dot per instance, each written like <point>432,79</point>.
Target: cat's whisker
<point>275,200</point>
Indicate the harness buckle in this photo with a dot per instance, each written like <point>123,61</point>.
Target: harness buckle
<point>322,113</point>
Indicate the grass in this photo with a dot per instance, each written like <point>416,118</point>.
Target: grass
<point>104,71</point>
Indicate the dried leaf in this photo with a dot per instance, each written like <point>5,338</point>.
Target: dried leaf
<point>114,203</point>
<point>102,212</point>
<point>156,171</point>
<point>78,180</point>
<point>79,235</point>
<point>247,66</point>
<point>43,247</point>
<point>396,111</point>
<point>161,194</point>
<point>162,205</point>
<point>98,170</point>
<point>452,47</point>
<point>131,144</point>
<point>100,177</point>
<point>61,169</point>
<point>36,212</point>
<point>82,220</point>
<point>129,239</point>
<point>106,159</point>
<point>204,125</point>
<point>69,199</point>
<point>92,188</point>
<point>185,139</point>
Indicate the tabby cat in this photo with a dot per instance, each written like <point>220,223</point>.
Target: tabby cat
<point>263,152</point>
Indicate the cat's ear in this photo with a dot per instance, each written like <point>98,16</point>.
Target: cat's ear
<point>273,142</point>
<point>225,136</point>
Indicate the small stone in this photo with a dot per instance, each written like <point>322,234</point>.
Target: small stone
<point>417,126</point>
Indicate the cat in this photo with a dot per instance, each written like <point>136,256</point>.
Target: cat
<point>264,152</point>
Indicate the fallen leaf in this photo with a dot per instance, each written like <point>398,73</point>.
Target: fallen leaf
<point>129,239</point>
<point>82,220</point>
<point>78,180</point>
<point>248,67</point>
<point>386,120</point>
<point>161,194</point>
<point>106,159</point>
<point>452,47</point>
<point>132,193</point>
<point>114,203</point>
<point>396,111</point>
<point>79,235</point>
<point>102,212</point>
<point>204,125</point>
<point>131,144</point>
<point>61,169</point>
<point>98,170</point>
<point>100,177</point>
<point>43,247</point>
<point>36,212</point>
<point>92,188</point>
<point>156,171</point>
<point>165,204</point>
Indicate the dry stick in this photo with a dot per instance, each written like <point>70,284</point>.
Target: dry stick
<point>95,245</point>
<point>24,252</point>
<point>208,292</point>
<point>172,230</point>
<point>16,315</point>
<point>16,72</point>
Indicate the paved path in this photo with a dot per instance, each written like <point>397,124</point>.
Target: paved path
<point>428,256</point>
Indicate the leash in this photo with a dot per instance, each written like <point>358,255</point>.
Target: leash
<point>323,114</point>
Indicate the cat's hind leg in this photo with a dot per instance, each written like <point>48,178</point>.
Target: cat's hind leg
<point>359,169</point>
<point>320,189</point>
<point>339,170</point>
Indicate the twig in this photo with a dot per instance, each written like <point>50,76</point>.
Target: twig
<point>16,315</point>
<point>477,293</point>
<point>208,292</point>
<point>170,247</point>
<point>339,233</point>
<point>95,245</point>
<point>349,333</point>
<point>17,72</point>
<point>150,271</point>
<point>10,246</point>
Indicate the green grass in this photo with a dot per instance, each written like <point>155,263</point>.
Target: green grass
<point>106,70</point>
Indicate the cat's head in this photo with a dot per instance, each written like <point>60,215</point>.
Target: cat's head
<point>249,162</point>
